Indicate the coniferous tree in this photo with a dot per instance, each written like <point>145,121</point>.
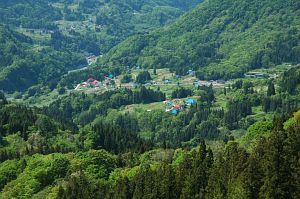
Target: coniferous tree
<point>271,89</point>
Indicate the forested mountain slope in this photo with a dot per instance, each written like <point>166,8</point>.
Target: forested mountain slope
<point>60,33</point>
<point>271,170</point>
<point>219,39</point>
<point>21,66</point>
<point>29,13</point>
<point>106,23</point>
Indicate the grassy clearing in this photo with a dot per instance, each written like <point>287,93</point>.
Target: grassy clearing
<point>138,108</point>
<point>45,99</point>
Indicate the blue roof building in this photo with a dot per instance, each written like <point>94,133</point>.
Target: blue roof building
<point>174,111</point>
<point>191,102</point>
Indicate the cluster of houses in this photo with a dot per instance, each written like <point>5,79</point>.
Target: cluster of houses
<point>215,83</point>
<point>40,31</point>
<point>175,107</point>
<point>93,83</point>
<point>260,75</point>
<point>90,83</point>
<point>78,26</point>
<point>256,75</point>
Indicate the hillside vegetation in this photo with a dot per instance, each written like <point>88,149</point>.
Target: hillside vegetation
<point>59,34</point>
<point>22,67</point>
<point>219,39</point>
<point>203,107</point>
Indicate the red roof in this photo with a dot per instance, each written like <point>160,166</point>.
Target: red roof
<point>177,106</point>
<point>95,82</point>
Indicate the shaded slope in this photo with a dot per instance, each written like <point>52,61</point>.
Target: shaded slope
<point>21,66</point>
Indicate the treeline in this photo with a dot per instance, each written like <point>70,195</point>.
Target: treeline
<point>181,93</point>
<point>286,99</point>
<point>84,108</point>
<point>270,170</point>
<point>27,131</point>
<point>116,139</point>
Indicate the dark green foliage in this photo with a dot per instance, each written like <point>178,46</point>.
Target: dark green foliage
<point>143,77</point>
<point>126,78</point>
<point>287,97</point>
<point>25,62</point>
<point>271,89</point>
<point>271,169</point>
<point>2,98</point>
<point>237,110</point>
<point>29,13</point>
<point>284,48</point>
<point>207,94</point>
<point>248,88</point>
<point>117,20</point>
<point>237,84</point>
<point>16,118</point>
<point>116,139</point>
<point>77,187</point>
<point>144,158</point>
<point>291,80</point>
<point>208,129</point>
<point>86,107</point>
<point>181,93</point>
<point>22,68</point>
<point>61,90</point>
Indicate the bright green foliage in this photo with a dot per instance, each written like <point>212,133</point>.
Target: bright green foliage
<point>39,172</point>
<point>270,170</point>
<point>261,128</point>
<point>9,170</point>
<point>122,143</point>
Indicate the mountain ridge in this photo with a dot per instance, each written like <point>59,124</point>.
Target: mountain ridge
<point>214,36</point>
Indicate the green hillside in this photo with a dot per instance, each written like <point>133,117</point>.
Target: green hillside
<point>60,34</point>
<point>29,13</point>
<point>94,26</point>
<point>219,39</point>
<point>22,66</point>
<point>150,99</point>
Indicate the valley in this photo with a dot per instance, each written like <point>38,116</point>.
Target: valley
<point>156,99</point>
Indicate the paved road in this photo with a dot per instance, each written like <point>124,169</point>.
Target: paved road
<point>79,69</point>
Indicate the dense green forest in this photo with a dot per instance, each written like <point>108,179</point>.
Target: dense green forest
<point>149,99</point>
<point>22,67</point>
<point>219,39</point>
<point>61,33</point>
<point>81,146</point>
